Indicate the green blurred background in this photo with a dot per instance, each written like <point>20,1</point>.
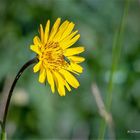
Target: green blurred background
<point>37,113</point>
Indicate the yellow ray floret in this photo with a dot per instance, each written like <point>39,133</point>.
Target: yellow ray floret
<point>57,60</point>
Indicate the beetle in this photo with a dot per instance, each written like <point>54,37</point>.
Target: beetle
<point>66,59</point>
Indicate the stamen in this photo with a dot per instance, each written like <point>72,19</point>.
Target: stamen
<point>52,56</point>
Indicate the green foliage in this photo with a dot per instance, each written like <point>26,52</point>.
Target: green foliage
<point>41,114</point>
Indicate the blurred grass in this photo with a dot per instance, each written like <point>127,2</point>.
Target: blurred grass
<point>75,116</point>
<point>116,55</point>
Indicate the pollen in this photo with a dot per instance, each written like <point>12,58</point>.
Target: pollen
<point>52,56</point>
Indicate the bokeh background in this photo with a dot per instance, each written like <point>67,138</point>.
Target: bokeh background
<point>37,113</point>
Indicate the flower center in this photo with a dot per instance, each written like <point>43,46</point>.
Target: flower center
<point>52,56</point>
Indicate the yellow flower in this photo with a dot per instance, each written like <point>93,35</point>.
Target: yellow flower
<point>56,60</point>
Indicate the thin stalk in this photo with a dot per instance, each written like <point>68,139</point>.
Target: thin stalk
<point>3,123</point>
<point>3,135</point>
<point>117,47</point>
<point>116,52</point>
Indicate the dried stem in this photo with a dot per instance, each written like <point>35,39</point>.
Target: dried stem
<point>102,110</point>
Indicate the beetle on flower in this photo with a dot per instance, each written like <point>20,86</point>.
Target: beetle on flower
<point>57,60</point>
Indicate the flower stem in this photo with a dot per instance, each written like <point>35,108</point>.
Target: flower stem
<point>3,135</point>
<point>3,123</point>
<point>117,46</point>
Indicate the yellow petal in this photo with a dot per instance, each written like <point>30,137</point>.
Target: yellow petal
<point>37,41</point>
<point>76,67</point>
<point>68,38</point>
<point>68,30</point>
<point>73,40</point>
<point>61,30</point>
<point>67,86</point>
<point>41,33</point>
<point>42,75</point>
<point>60,85</point>
<point>54,29</point>
<point>35,49</point>
<point>47,28</point>
<point>66,44</point>
<point>36,68</point>
<point>50,80</point>
<point>71,70</point>
<point>73,51</point>
<point>76,59</point>
<point>70,78</point>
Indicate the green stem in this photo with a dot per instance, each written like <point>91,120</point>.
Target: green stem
<point>3,123</point>
<point>3,135</point>
<point>117,47</point>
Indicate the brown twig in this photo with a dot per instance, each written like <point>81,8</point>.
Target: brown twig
<point>102,110</point>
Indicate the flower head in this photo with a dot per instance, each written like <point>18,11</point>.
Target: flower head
<point>57,60</point>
